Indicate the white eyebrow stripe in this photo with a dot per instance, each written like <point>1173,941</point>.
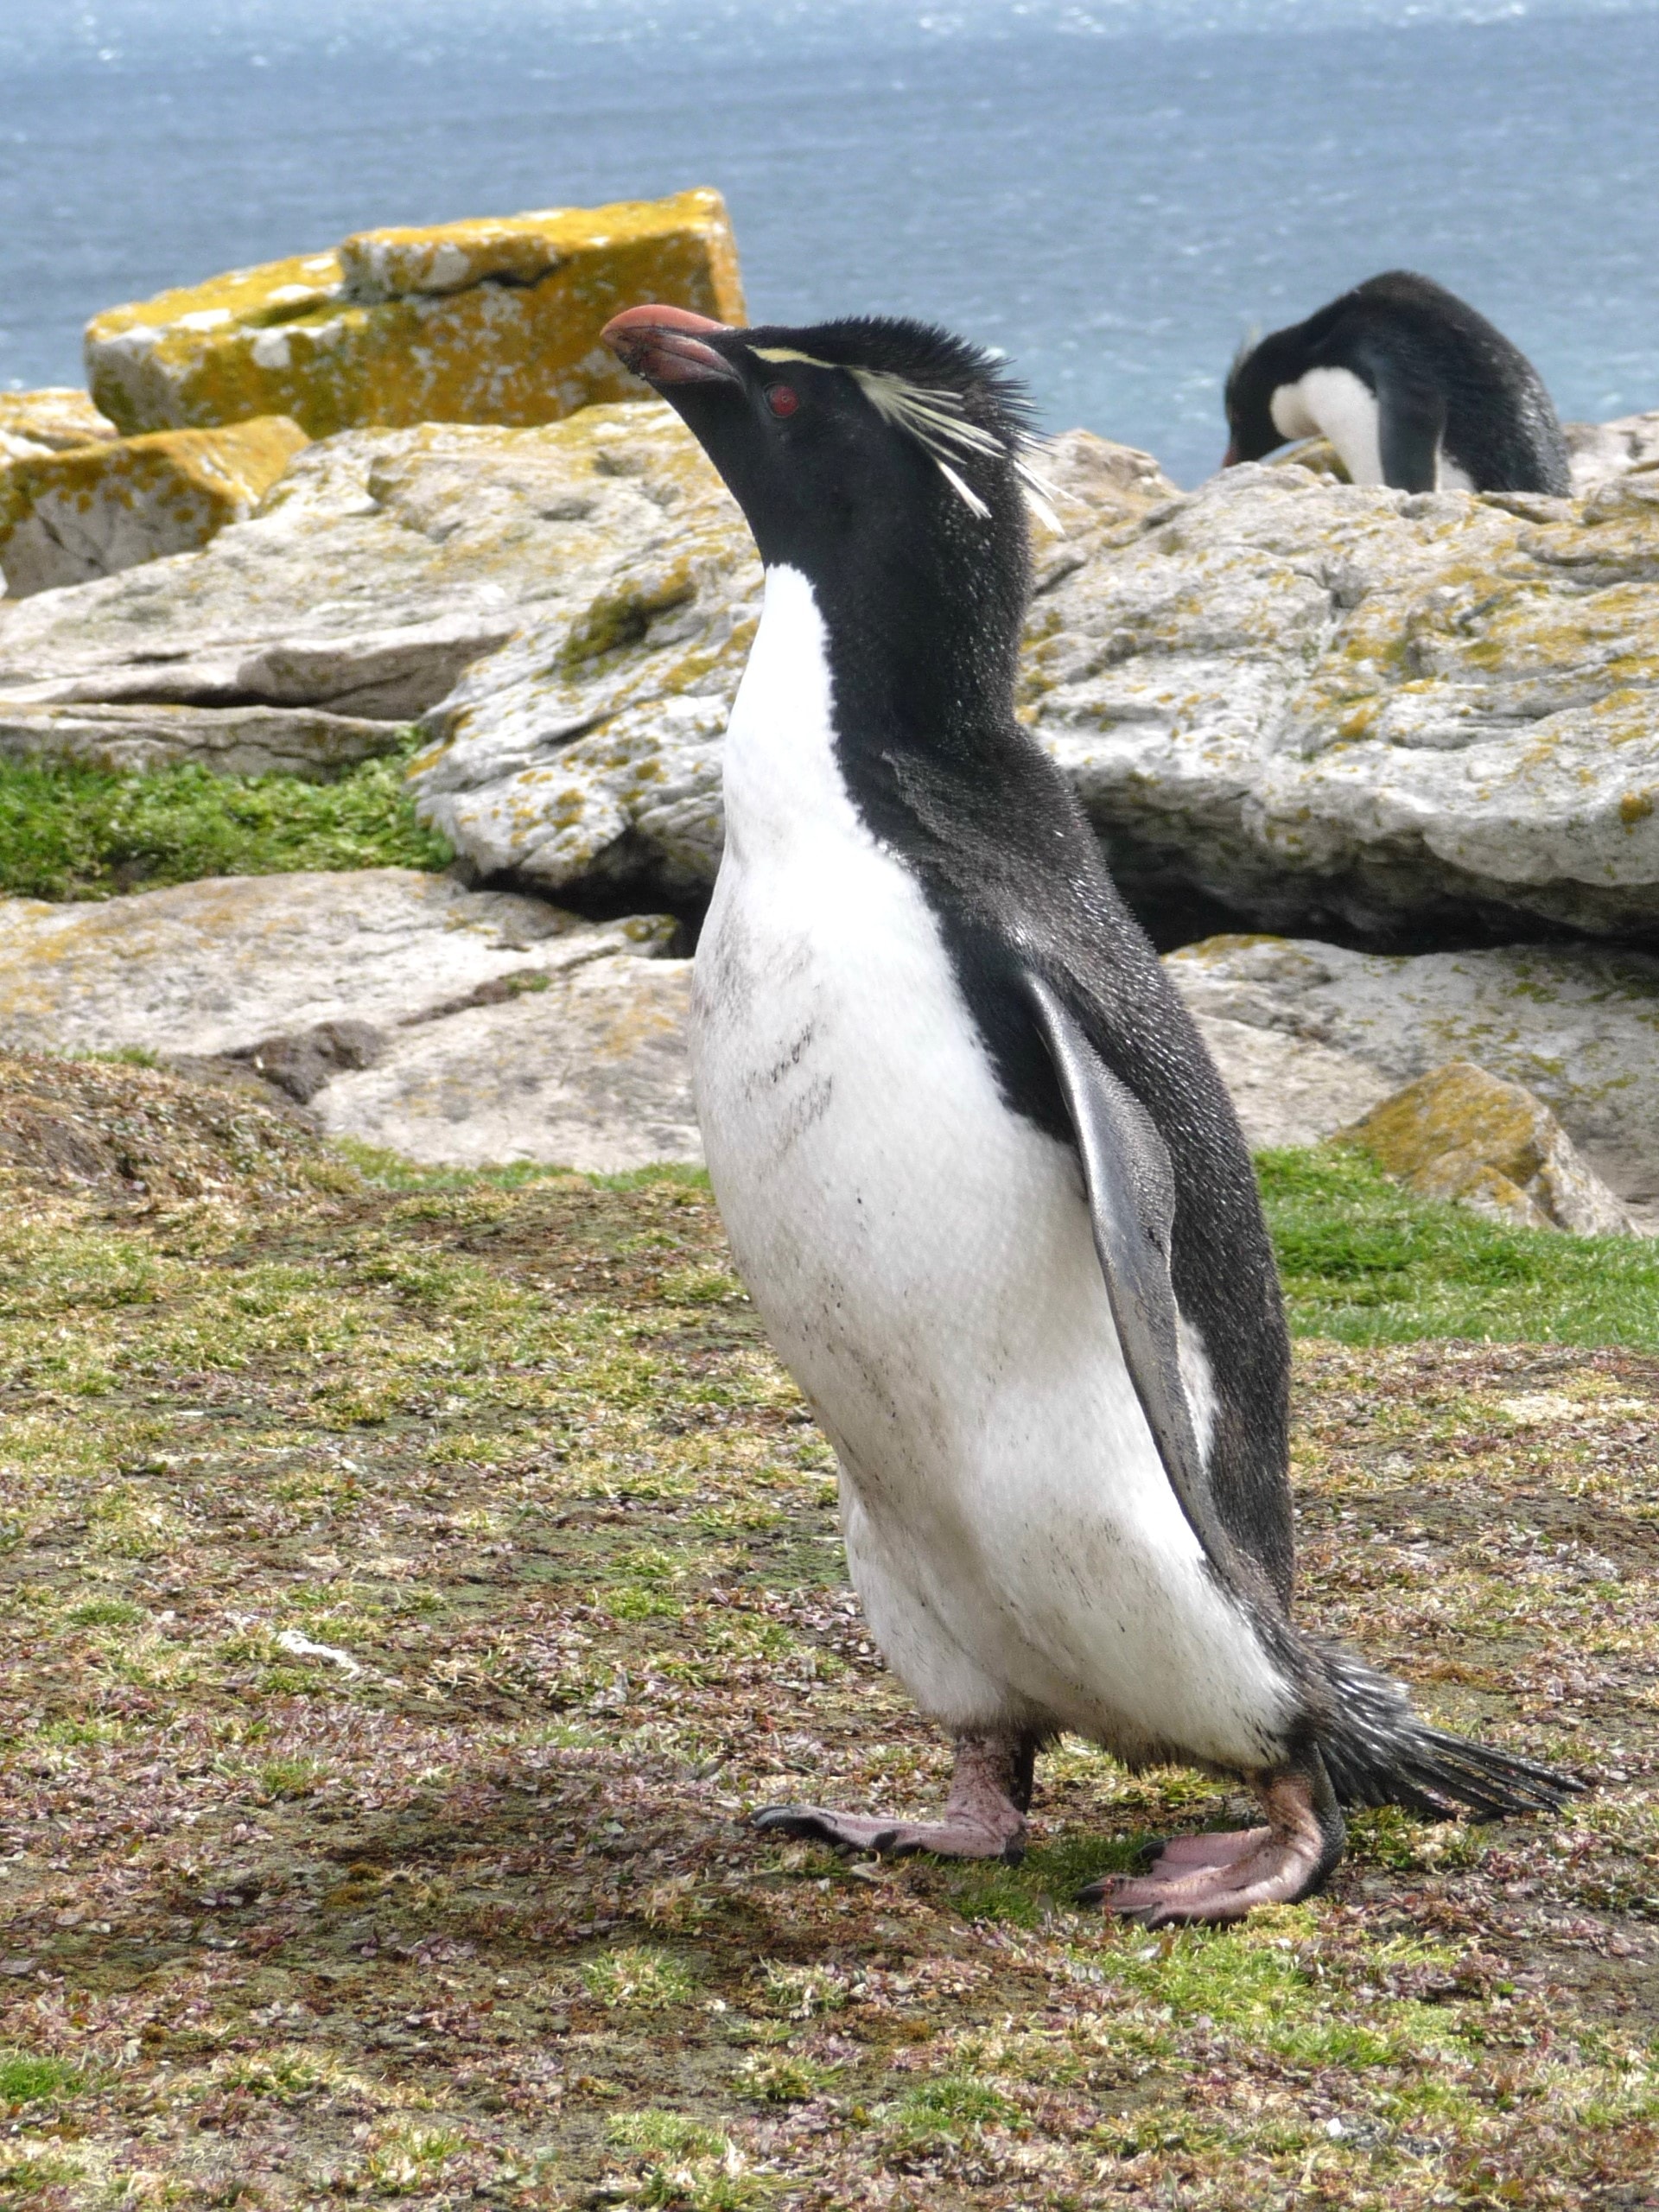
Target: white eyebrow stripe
<point>788,353</point>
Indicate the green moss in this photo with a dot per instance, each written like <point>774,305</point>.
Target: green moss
<point>1365,1263</point>
<point>73,832</point>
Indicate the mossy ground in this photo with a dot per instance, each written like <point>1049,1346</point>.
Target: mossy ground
<point>412,1582</point>
<point>69,832</point>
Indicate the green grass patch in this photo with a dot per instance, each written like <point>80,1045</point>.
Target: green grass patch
<point>26,2079</point>
<point>1365,1263</point>
<point>73,832</point>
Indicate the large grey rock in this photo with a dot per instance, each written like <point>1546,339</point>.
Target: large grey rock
<point>1577,1025</point>
<point>1286,1090</point>
<point>380,566</point>
<point>1314,700</point>
<point>1597,451</point>
<point>456,1025</point>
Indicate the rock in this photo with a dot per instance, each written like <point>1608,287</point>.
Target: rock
<point>1597,451</point>
<point>590,1073</point>
<point>49,420</point>
<point>1460,1134</point>
<point>1289,1090</point>
<point>233,741</point>
<point>381,565</point>
<point>94,510</point>
<point>1320,702</point>
<point>1577,1025</point>
<point>485,321</point>
<point>586,751</point>
<point>456,1026</point>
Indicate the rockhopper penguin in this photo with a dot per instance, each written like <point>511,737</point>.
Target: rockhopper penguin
<point>1412,387</point>
<point>976,1167</point>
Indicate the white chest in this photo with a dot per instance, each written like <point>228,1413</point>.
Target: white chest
<point>1337,404</point>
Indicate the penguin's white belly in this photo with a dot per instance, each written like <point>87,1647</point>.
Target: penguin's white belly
<point>1337,404</point>
<point>924,1260</point>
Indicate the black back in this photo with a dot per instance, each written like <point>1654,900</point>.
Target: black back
<point>1434,364</point>
<point>923,580</point>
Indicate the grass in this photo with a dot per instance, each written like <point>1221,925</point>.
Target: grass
<point>482,1921</point>
<point>1366,1263</point>
<point>71,832</point>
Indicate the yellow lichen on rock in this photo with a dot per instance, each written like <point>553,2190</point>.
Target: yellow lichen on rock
<point>50,420</point>
<point>493,320</point>
<point>65,517</point>
<point>1462,1134</point>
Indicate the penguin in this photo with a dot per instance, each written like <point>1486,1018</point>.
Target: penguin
<point>976,1166</point>
<point>1412,387</point>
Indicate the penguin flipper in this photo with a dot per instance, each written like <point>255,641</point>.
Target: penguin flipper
<point>1410,426</point>
<point>1131,1189</point>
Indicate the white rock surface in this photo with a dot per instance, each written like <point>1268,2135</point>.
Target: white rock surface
<point>1577,1025</point>
<point>1597,451</point>
<point>381,565</point>
<point>1289,1090</point>
<point>590,1073</point>
<point>492,1027</point>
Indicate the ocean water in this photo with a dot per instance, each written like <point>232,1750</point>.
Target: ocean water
<point>1113,192</point>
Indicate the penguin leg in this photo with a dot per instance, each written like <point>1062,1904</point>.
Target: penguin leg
<point>1212,1877</point>
<point>984,1814</point>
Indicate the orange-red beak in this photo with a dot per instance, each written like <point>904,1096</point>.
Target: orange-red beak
<point>668,345</point>
<point>1231,458</point>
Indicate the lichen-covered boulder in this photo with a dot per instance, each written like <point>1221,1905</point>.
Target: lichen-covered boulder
<point>94,510</point>
<point>1577,1025</point>
<point>1460,1134</point>
<point>49,420</point>
<point>1318,703</point>
<point>493,320</point>
<point>378,568</point>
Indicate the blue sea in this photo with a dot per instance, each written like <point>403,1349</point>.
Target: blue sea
<point>1114,193</point>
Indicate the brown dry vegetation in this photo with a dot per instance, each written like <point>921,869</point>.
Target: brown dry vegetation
<point>410,1589</point>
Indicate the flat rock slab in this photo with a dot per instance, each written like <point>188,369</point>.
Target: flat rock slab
<point>380,566</point>
<point>590,1073</point>
<point>1577,1025</point>
<point>1286,1089</point>
<point>457,1027</point>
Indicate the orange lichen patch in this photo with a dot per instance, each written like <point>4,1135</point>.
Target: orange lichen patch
<point>1460,1134</point>
<point>49,421</point>
<point>494,320</point>
<point>68,517</point>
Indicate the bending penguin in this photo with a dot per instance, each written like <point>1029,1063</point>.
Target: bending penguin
<point>1412,387</point>
<point>977,1168</point>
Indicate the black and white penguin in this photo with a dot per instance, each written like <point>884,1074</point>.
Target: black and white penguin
<point>978,1170</point>
<point>1412,387</point>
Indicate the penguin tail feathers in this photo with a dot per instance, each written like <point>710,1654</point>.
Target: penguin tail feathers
<point>1377,1752</point>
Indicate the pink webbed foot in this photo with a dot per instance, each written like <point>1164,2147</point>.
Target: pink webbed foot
<point>1220,1877</point>
<point>984,1815</point>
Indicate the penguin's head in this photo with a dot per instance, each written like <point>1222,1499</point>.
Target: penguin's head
<point>1257,371</point>
<point>878,442</point>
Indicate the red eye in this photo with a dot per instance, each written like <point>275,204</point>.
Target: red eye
<point>783,398</point>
